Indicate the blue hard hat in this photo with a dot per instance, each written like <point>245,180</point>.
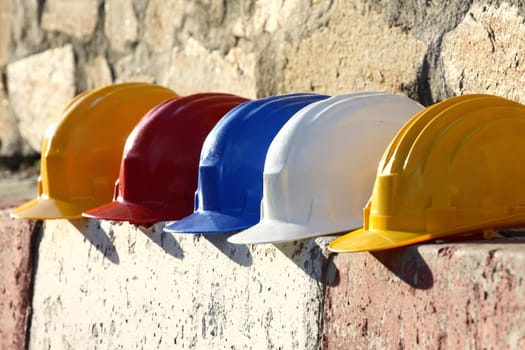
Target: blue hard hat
<point>232,161</point>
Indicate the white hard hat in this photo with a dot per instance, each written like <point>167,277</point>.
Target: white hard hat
<point>320,168</point>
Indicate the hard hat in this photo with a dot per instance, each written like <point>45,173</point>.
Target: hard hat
<point>83,146</point>
<point>231,164</point>
<point>321,166</point>
<point>457,167</point>
<point>159,169</point>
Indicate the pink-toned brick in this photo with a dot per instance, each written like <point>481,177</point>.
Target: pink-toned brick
<point>435,296</point>
<point>16,271</point>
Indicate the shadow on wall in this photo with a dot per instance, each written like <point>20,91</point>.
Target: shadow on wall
<point>239,254</point>
<point>164,240</point>
<point>308,256</point>
<point>407,264</point>
<point>100,239</point>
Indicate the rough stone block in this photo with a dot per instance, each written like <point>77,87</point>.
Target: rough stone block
<point>98,73</point>
<point>295,18</point>
<point>108,286</point>
<point>37,95</point>
<point>27,33</point>
<point>9,135</point>
<point>77,18</point>
<point>366,55</point>
<point>16,271</point>
<point>489,61</point>
<point>434,296</point>
<point>133,68</point>
<point>268,16</point>
<point>6,17</point>
<point>121,25</point>
<point>194,69</point>
<point>162,17</point>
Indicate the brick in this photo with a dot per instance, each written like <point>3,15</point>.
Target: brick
<point>434,296</point>
<point>16,271</point>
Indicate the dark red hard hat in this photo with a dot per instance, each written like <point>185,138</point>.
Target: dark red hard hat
<point>159,168</point>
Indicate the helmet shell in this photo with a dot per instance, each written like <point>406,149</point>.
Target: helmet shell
<point>159,169</point>
<point>231,164</point>
<point>320,167</point>
<point>82,149</point>
<point>456,168</point>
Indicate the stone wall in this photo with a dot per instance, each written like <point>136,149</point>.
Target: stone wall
<point>53,49</point>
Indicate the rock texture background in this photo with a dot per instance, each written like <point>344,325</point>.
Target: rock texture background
<point>102,282</point>
<point>53,49</point>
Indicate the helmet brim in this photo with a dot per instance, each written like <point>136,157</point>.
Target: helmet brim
<point>47,208</point>
<point>135,213</point>
<point>211,222</point>
<point>368,241</point>
<point>275,231</point>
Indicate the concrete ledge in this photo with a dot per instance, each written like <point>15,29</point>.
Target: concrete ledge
<point>435,296</point>
<point>16,268</point>
<point>104,286</point>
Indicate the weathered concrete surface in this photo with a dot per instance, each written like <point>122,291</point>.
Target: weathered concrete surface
<point>435,296</point>
<point>103,286</point>
<point>37,95</point>
<point>16,267</point>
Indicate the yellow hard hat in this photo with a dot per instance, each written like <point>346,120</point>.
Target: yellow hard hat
<point>83,146</point>
<point>455,168</point>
